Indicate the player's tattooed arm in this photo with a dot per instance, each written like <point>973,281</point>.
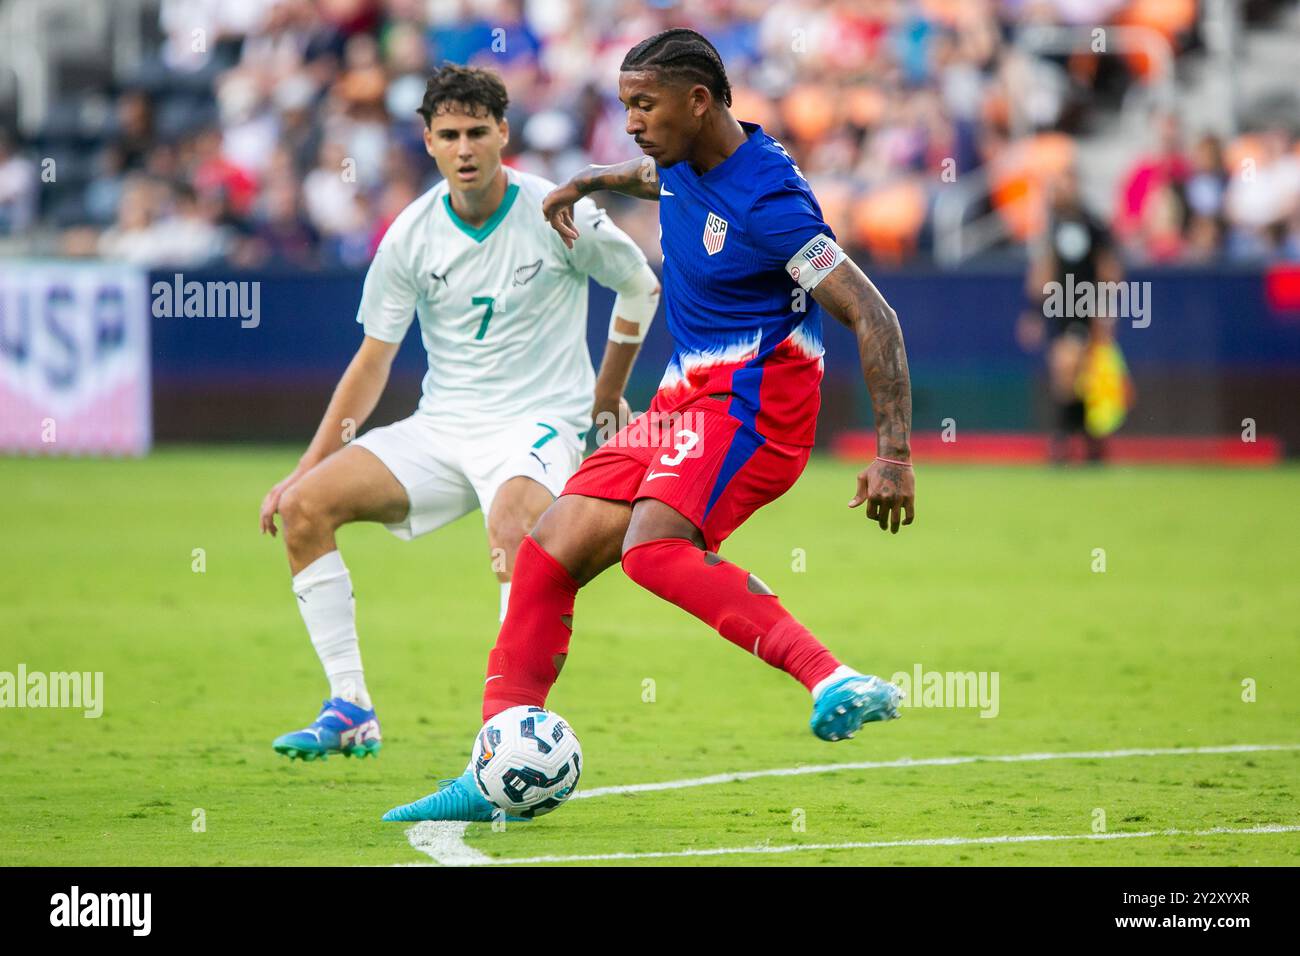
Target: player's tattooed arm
<point>636,177</point>
<point>887,487</point>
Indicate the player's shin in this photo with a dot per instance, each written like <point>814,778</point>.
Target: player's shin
<point>733,602</point>
<point>534,639</point>
<point>324,592</point>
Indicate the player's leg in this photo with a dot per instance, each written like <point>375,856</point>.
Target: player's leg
<point>671,550</point>
<point>664,552</point>
<point>515,510</point>
<point>405,475</point>
<point>350,485</point>
<point>517,474</point>
<point>576,538</point>
<point>1064,360</point>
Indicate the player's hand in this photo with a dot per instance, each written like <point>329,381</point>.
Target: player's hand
<point>889,490</point>
<point>271,503</point>
<point>557,207</point>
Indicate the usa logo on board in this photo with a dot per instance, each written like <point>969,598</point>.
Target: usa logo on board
<point>715,233</point>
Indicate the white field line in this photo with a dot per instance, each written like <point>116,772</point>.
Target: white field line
<point>926,762</point>
<point>881,844</point>
<point>444,842</point>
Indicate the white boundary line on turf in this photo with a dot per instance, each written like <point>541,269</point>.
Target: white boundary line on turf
<point>926,762</point>
<point>881,844</point>
<point>444,841</point>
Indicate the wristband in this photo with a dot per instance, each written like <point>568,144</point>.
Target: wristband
<point>905,464</point>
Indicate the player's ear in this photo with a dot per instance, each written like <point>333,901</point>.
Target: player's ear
<point>699,99</point>
<point>428,139</point>
<point>504,127</point>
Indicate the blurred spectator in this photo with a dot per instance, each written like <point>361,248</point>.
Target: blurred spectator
<point>1149,179</point>
<point>283,236</point>
<point>1263,194</point>
<point>885,104</point>
<point>18,186</point>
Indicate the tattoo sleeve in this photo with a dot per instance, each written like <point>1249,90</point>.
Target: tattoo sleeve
<point>848,295</point>
<point>636,177</point>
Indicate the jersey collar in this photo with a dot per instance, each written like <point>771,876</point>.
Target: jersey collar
<point>478,234</point>
<point>752,132</point>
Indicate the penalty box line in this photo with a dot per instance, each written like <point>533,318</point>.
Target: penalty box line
<point>444,842</point>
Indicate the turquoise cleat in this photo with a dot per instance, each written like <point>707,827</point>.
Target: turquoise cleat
<point>457,799</point>
<point>342,728</point>
<point>846,705</point>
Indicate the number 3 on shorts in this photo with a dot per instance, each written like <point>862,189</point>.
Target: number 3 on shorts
<point>684,442</point>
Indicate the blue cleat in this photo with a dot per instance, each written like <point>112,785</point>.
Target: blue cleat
<point>457,799</point>
<point>342,728</point>
<point>847,704</point>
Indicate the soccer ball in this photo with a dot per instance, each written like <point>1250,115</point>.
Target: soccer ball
<point>527,761</point>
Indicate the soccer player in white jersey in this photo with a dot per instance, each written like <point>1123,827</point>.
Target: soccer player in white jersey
<point>508,399</point>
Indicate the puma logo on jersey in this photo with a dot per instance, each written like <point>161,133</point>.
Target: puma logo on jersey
<point>524,274</point>
<point>440,278</point>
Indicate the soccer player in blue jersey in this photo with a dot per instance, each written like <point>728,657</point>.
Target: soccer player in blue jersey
<point>731,428</point>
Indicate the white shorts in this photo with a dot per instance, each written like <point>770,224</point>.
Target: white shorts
<point>448,473</point>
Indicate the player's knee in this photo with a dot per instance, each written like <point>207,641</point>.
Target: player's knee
<point>639,563</point>
<point>305,511</point>
<point>507,531</point>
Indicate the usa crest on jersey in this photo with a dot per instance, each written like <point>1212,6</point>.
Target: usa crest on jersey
<point>715,233</point>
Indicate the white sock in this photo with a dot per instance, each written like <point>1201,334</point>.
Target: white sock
<point>839,673</point>
<point>324,591</point>
<point>505,600</point>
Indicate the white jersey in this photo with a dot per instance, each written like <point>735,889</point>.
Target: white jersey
<point>502,307</point>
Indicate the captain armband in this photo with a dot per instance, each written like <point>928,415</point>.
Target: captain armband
<point>814,261</point>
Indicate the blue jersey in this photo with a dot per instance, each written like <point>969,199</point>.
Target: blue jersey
<point>744,244</point>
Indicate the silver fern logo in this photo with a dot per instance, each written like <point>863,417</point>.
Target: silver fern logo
<point>524,274</point>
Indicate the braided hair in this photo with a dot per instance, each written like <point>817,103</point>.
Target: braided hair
<point>685,55</point>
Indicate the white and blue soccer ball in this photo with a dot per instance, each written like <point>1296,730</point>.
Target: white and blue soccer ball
<point>527,761</point>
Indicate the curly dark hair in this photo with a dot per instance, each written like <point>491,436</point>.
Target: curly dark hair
<point>469,89</point>
<point>682,55</point>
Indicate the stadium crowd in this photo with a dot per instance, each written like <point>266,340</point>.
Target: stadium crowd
<point>283,132</point>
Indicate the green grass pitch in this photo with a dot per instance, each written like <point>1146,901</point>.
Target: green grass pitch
<point>202,670</point>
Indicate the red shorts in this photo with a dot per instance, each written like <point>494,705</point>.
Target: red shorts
<point>701,461</point>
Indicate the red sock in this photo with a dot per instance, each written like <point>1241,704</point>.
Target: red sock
<point>534,637</point>
<point>732,601</point>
